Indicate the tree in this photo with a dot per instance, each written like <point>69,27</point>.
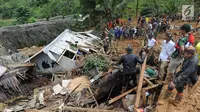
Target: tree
<point>23,14</point>
<point>103,10</point>
<point>46,11</point>
<point>137,8</point>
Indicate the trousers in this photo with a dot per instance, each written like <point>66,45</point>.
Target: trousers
<point>128,76</point>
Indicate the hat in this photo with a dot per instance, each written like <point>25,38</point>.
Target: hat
<point>169,34</point>
<point>129,48</point>
<point>186,28</point>
<point>190,50</point>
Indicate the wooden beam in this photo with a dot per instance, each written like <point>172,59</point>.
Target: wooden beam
<point>148,81</point>
<point>93,97</point>
<point>78,109</point>
<point>151,87</point>
<point>144,98</point>
<point>121,96</point>
<point>22,65</point>
<point>138,95</point>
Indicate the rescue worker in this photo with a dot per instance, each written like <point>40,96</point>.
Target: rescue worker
<point>165,54</point>
<point>187,75</point>
<point>151,42</point>
<point>106,42</point>
<point>129,62</point>
<point>191,37</point>
<point>198,54</point>
<point>177,56</point>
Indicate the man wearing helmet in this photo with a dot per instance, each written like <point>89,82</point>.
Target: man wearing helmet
<point>165,54</point>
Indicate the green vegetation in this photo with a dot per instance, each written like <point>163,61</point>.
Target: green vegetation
<point>93,61</point>
<point>7,22</point>
<point>101,11</point>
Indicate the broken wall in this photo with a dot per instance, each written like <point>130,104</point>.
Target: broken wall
<point>20,36</point>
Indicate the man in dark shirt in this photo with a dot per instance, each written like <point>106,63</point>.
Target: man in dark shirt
<point>187,75</point>
<point>129,62</point>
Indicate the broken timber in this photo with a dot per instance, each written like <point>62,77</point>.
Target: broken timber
<point>121,96</point>
<point>78,109</point>
<point>148,81</point>
<point>139,89</point>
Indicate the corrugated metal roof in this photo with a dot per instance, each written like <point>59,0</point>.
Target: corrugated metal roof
<point>65,41</point>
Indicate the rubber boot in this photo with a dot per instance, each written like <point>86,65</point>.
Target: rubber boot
<point>168,93</point>
<point>177,100</point>
<point>179,97</point>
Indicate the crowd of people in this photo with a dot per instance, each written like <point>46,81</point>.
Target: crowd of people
<point>146,26</point>
<point>172,55</point>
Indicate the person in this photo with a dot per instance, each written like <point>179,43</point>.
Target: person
<point>165,54</point>
<point>191,37</point>
<point>118,32</point>
<point>151,41</point>
<point>129,62</point>
<point>139,18</point>
<point>187,75</point>
<point>198,54</point>
<point>150,27</point>
<point>106,42</point>
<point>143,22</point>
<point>180,46</point>
<point>126,32</point>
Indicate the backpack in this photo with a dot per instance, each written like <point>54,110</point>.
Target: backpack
<point>177,46</point>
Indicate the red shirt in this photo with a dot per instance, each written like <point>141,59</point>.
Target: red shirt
<point>191,38</point>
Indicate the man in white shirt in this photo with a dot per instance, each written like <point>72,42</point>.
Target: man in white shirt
<point>165,54</point>
<point>151,41</point>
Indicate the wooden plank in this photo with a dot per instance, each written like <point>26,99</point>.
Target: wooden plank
<point>148,81</point>
<point>78,109</point>
<point>137,101</point>
<point>121,96</point>
<point>144,98</point>
<point>67,96</point>
<point>151,87</point>
<point>93,97</point>
<point>22,65</point>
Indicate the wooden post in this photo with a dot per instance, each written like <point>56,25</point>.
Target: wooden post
<point>139,89</point>
<point>144,97</point>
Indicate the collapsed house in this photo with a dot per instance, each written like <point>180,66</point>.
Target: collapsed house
<point>102,89</point>
<point>61,54</point>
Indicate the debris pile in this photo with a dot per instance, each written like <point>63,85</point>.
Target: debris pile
<point>72,75</point>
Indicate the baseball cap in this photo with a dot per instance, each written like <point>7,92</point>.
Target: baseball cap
<point>186,28</point>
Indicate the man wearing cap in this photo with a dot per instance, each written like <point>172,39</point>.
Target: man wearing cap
<point>177,56</point>
<point>187,74</point>
<point>165,54</point>
<point>129,62</point>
